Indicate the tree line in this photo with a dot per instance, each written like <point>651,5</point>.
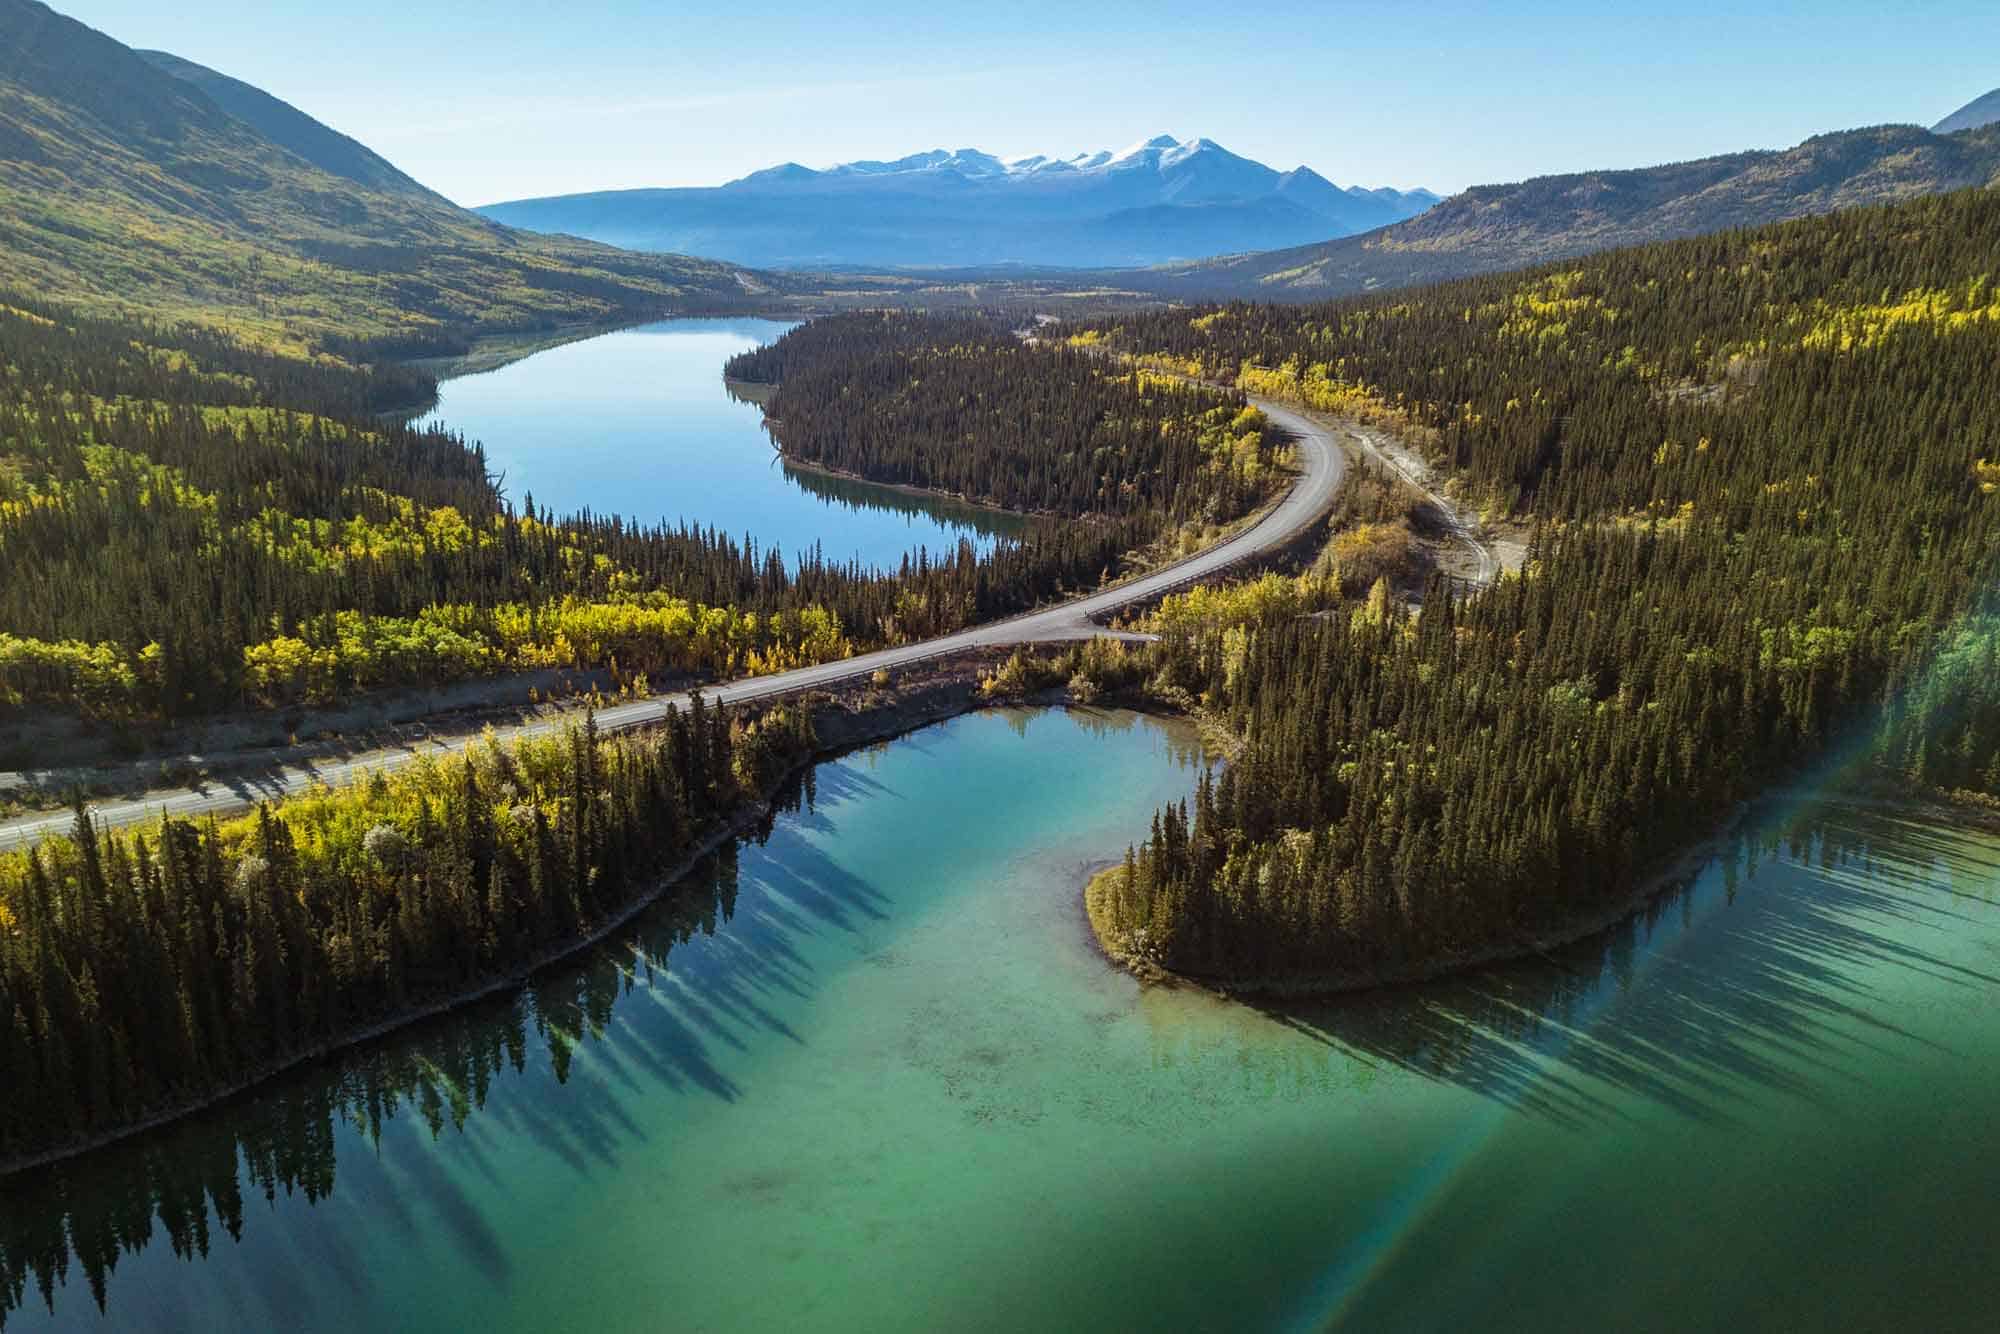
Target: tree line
<point>144,969</point>
<point>194,1184</point>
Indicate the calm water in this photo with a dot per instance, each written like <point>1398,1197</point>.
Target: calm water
<point>639,423</point>
<point>871,1076</point>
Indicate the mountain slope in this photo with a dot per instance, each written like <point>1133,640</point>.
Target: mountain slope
<point>1979,111</point>
<point>1494,227</point>
<point>124,187</point>
<point>288,127</point>
<point>1157,200</point>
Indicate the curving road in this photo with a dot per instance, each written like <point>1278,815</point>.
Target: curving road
<point>1322,469</point>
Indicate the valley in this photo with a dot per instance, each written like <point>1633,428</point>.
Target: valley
<point>996,739</point>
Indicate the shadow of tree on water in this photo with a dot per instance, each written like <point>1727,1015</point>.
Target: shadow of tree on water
<point>1769,972</point>
<point>656,1007</point>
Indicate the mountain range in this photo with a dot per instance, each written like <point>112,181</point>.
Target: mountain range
<point>1494,227</point>
<point>1158,200</point>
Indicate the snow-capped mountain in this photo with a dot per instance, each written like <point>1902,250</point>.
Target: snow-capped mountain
<point>1159,200</point>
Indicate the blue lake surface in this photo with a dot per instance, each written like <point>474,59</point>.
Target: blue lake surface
<point>639,423</point>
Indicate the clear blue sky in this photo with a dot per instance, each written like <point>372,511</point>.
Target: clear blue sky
<point>511,98</point>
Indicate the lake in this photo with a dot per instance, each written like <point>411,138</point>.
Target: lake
<point>871,1074</point>
<point>639,423</point>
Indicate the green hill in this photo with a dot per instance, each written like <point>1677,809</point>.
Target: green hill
<point>152,186</point>
<point>1982,110</point>
<point>291,129</point>
<point>1495,227</point>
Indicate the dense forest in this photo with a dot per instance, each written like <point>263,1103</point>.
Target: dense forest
<point>190,526</point>
<point>1760,468</point>
<point>962,405</point>
<point>144,969</point>
<point>1763,470</point>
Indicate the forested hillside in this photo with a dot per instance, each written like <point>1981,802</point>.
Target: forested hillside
<point>141,184</point>
<point>1764,470</point>
<point>962,405</point>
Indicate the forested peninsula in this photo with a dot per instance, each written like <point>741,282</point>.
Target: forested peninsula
<point>1764,485</point>
<point>962,405</point>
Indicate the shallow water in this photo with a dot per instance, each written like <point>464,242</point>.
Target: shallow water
<point>639,423</point>
<point>873,1076</point>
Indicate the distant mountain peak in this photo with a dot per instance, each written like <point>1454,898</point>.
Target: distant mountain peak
<point>1162,151</point>
<point>1984,110</point>
<point>783,172</point>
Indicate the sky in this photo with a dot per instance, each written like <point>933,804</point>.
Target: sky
<point>510,99</point>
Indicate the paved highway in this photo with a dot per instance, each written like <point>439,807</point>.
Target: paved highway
<point>1322,469</point>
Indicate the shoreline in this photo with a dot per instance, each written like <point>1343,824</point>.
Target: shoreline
<point>491,350</point>
<point>951,693</point>
<point>932,493</point>
<point>1971,809</point>
<point>1938,807</point>
<point>1314,986</point>
<point>846,723</point>
<point>925,493</point>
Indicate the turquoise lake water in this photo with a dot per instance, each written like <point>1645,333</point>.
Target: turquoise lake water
<point>872,1075</point>
<point>639,423</point>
